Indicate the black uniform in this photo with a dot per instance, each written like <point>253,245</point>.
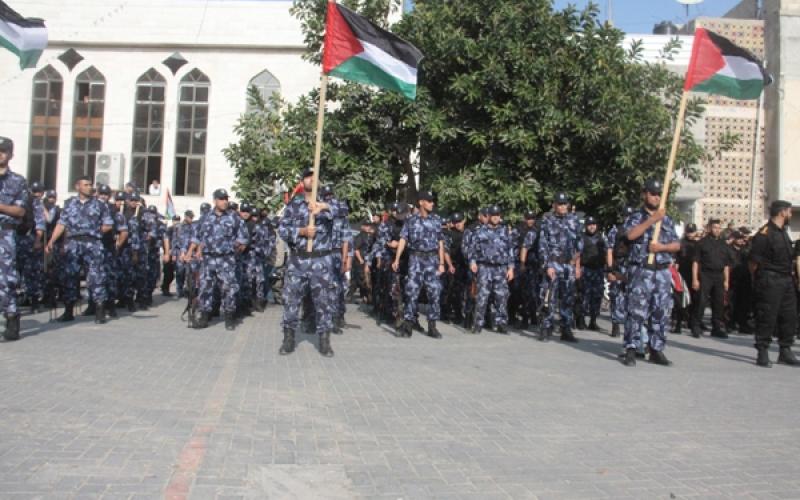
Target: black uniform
<point>776,302</point>
<point>741,290</point>
<point>712,256</point>
<point>685,259</point>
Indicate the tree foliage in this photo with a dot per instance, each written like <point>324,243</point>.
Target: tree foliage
<point>516,101</point>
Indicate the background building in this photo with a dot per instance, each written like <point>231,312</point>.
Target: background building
<point>146,89</point>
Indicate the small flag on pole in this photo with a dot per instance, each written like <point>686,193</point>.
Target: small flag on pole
<point>356,49</point>
<point>25,37</point>
<point>719,67</point>
<point>170,207</point>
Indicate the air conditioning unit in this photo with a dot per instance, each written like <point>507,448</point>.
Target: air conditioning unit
<point>109,169</point>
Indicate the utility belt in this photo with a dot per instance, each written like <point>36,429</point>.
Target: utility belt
<point>655,267</point>
<point>82,238</point>
<point>304,254</point>
<point>425,252</point>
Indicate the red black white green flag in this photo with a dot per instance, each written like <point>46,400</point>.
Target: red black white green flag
<point>25,37</point>
<point>358,50</point>
<point>719,67</point>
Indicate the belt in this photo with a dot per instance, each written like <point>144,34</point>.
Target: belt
<point>303,254</point>
<point>218,254</point>
<point>490,264</point>
<point>425,252</point>
<point>656,267</point>
<point>82,237</point>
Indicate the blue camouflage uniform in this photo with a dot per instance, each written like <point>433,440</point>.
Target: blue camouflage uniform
<point>114,279</point>
<point>13,191</point>
<point>593,260</point>
<point>219,234</point>
<point>559,243</point>
<point>30,260</point>
<point>649,287</point>
<point>83,221</point>
<point>130,267</point>
<point>493,252</point>
<point>341,235</point>
<point>617,288</point>
<point>308,273</point>
<point>263,244</point>
<point>156,232</point>
<point>182,239</point>
<point>423,236</point>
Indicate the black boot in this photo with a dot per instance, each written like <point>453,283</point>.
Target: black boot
<point>67,316</point>
<point>91,309</point>
<point>763,358</point>
<point>580,322</point>
<point>202,321</point>
<point>785,356</point>
<point>696,332</point>
<point>630,357</point>
<point>287,347</point>
<point>111,307</point>
<point>545,334</point>
<point>12,327</point>
<point>417,326</point>
<point>615,329</point>
<point>100,314</point>
<point>230,321</point>
<point>593,324</point>
<point>259,305</point>
<point>502,329</point>
<point>567,336</point>
<point>130,305</point>
<point>720,334</point>
<point>659,358</point>
<point>432,331</point>
<point>524,324</point>
<point>404,330</point>
<point>34,305</point>
<point>677,328</point>
<point>476,328</point>
<point>325,345</point>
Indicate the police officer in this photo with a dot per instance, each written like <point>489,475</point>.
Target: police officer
<point>362,247</point>
<point>83,222</point>
<point>493,263</point>
<point>458,284</point>
<point>649,300</point>
<point>771,262</point>
<point>52,212</point>
<point>528,270</point>
<point>342,243</point>
<point>710,278</point>
<point>468,248</point>
<point>113,241</point>
<point>30,248</point>
<point>308,272</point>
<point>391,283</point>
<point>422,234</point>
<point>169,266</point>
<point>685,261</point>
<point>593,259</point>
<point>617,272</point>
<point>13,200</point>
<point>560,246</point>
<point>741,289</point>
<point>181,243</point>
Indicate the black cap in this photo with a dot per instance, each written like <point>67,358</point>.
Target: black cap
<point>254,212</point>
<point>245,207</point>
<point>590,220</point>
<point>189,214</point>
<point>6,145</point>
<point>779,205</point>
<point>308,172</point>
<point>233,205</point>
<point>131,184</point>
<point>220,194</point>
<point>690,228</point>
<point>393,207</point>
<point>736,235</point>
<point>457,217</point>
<point>120,196</point>
<point>744,230</point>
<point>561,198</point>
<point>36,187</point>
<point>326,190</point>
<point>425,195</point>
<point>530,214</point>
<point>653,186</point>
<point>205,207</point>
<point>484,211</point>
<point>495,210</point>
<point>51,194</point>
<point>104,189</point>
<point>135,196</point>
<point>153,209</point>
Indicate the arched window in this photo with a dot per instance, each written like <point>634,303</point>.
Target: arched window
<point>48,88</point>
<point>148,128</point>
<point>87,125</point>
<point>267,86</point>
<point>190,142</point>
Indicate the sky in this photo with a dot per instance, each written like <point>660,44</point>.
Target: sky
<point>639,16</point>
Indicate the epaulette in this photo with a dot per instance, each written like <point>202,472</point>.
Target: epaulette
<point>764,230</point>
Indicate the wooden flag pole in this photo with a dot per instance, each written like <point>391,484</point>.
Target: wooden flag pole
<point>323,88</point>
<point>676,141</point>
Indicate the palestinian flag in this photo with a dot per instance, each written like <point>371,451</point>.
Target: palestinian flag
<point>719,67</point>
<point>357,50</point>
<point>25,37</point>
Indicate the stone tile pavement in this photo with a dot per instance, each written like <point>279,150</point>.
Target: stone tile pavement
<point>145,408</point>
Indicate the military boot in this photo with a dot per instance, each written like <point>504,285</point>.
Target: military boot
<point>502,329</point>
<point>404,330</point>
<point>763,358</point>
<point>100,314</point>
<point>415,325</point>
<point>432,331</point>
<point>230,321</point>
<point>615,329</point>
<point>567,336</point>
<point>545,334</point>
<point>68,315</point>
<point>593,324</point>
<point>130,304</point>
<point>90,310</point>
<point>787,357</point>
<point>287,347</point>
<point>659,358</point>
<point>523,324</point>
<point>325,345</point>
<point>111,307</point>
<point>259,305</point>
<point>34,305</point>
<point>12,327</point>
<point>476,328</point>
<point>580,322</point>
<point>630,357</point>
<point>202,321</point>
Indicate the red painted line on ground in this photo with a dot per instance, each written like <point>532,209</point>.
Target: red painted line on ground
<point>188,463</point>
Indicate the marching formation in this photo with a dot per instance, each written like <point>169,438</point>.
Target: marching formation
<point>549,274</point>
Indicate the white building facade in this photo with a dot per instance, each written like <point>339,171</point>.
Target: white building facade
<point>146,89</point>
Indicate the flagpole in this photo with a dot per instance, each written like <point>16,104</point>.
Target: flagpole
<point>756,153</point>
<point>676,140</point>
<point>323,88</point>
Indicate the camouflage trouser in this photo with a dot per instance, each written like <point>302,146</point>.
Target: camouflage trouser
<point>180,275</point>
<point>309,276</point>
<point>422,271</point>
<point>91,254</point>
<point>242,277</point>
<point>218,271</point>
<point>563,290</point>
<point>140,274</point>
<point>617,292</point>
<point>649,306</point>
<point>153,269</point>
<point>492,281</point>
<point>593,287</point>
<point>8,271</point>
<point>30,264</point>
<point>125,281</point>
<point>341,283</point>
<point>112,273</point>
<point>257,275</point>
<point>530,288</point>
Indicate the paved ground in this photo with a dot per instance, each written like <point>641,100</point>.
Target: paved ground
<point>145,408</point>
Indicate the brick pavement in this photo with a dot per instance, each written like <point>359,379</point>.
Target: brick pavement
<point>145,408</point>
